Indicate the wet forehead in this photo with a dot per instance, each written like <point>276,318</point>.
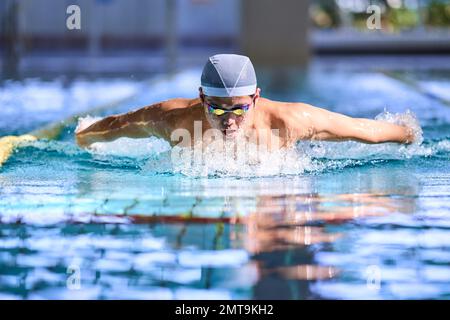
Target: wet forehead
<point>229,102</point>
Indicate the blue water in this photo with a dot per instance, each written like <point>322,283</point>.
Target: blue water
<point>343,221</point>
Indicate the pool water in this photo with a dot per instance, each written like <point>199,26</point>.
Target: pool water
<point>330,221</point>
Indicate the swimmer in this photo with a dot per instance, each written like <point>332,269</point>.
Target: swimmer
<point>230,103</point>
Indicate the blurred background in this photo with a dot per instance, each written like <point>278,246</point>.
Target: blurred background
<point>154,36</point>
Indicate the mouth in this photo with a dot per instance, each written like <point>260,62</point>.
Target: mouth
<point>229,132</point>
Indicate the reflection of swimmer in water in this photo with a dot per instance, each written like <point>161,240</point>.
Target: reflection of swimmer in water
<point>230,103</point>
<point>298,220</point>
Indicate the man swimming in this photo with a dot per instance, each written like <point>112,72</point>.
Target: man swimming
<point>230,104</point>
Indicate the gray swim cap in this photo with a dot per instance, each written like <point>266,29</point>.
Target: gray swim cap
<point>228,75</point>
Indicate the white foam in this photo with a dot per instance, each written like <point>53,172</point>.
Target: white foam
<point>218,159</point>
<point>443,146</point>
<point>85,122</point>
<point>386,151</point>
<point>408,119</point>
<point>135,148</point>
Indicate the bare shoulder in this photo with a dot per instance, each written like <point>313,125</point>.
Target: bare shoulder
<point>179,103</point>
<point>298,119</point>
<point>172,104</point>
<point>168,108</point>
<point>289,111</point>
<point>183,109</point>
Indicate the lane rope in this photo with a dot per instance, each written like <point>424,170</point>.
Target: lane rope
<point>52,131</point>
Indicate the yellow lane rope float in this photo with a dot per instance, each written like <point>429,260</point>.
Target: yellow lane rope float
<point>9,143</point>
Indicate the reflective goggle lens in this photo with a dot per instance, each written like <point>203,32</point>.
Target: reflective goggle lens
<point>239,112</point>
<point>219,112</point>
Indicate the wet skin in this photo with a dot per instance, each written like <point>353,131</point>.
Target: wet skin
<point>266,121</point>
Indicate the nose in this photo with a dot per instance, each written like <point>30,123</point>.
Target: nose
<point>228,119</point>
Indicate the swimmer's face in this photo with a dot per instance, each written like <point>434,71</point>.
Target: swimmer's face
<point>228,123</point>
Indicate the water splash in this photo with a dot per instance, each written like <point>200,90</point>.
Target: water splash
<point>134,148</point>
<point>223,159</point>
<point>408,119</point>
<point>383,151</point>
<point>251,161</point>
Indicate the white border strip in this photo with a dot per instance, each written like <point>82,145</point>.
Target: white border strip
<point>235,92</point>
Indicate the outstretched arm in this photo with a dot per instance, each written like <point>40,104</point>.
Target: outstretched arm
<point>141,123</point>
<point>333,126</point>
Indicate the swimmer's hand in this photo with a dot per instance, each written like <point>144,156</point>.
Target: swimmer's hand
<point>410,137</point>
<point>408,122</point>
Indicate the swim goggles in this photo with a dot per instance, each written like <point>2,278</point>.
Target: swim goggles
<point>239,111</point>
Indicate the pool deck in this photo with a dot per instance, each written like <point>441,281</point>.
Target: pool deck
<point>142,63</point>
